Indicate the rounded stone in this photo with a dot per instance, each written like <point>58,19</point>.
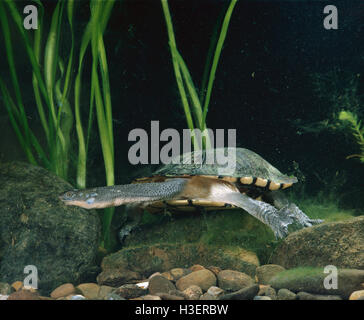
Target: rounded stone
<point>334,243</point>
<point>230,280</point>
<point>356,295</point>
<point>267,291</point>
<point>178,273</point>
<point>285,294</point>
<point>104,291</point>
<point>150,297</point>
<point>17,285</point>
<point>196,267</point>
<point>5,288</point>
<point>76,297</point>
<point>203,278</point>
<point>38,229</point>
<point>207,296</point>
<point>193,292</point>
<point>63,291</point>
<point>159,284</point>
<point>130,291</point>
<point>215,291</point>
<point>89,290</point>
<point>24,295</point>
<point>167,296</point>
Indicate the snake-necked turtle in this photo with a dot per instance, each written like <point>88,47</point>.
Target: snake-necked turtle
<point>186,185</point>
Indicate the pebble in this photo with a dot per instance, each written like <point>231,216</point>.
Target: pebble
<point>154,274</point>
<point>215,291</point>
<point>207,296</point>
<point>356,295</point>
<point>113,296</point>
<point>23,295</point>
<point>243,294</point>
<point>167,275</point>
<point>104,291</point>
<point>230,280</point>
<point>17,285</point>
<point>178,293</point>
<point>5,288</point>
<point>285,294</point>
<point>76,297</point>
<point>203,278</point>
<point>89,290</point>
<point>178,273</point>
<point>267,291</point>
<point>214,269</point>
<point>150,297</point>
<point>130,291</point>
<point>167,296</point>
<point>196,267</point>
<point>193,292</point>
<point>195,283</point>
<point>116,278</point>
<point>159,284</point>
<point>63,291</point>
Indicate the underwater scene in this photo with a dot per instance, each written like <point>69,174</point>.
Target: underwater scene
<point>181,150</point>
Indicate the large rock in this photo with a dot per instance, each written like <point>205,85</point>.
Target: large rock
<point>336,243</point>
<point>37,229</point>
<point>230,239</point>
<point>140,262</point>
<point>312,280</point>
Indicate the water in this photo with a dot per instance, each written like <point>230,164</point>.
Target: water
<point>280,84</point>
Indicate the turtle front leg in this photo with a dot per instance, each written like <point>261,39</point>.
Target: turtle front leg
<point>277,219</point>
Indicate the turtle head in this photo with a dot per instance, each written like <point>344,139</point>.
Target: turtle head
<point>75,197</point>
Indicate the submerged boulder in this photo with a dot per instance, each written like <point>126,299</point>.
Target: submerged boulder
<point>37,229</point>
<point>131,263</point>
<point>230,239</point>
<point>316,281</point>
<point>336,243</point>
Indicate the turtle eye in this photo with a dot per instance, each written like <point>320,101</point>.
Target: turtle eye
<point>68,195</point>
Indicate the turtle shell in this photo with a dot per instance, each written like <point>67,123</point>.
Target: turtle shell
<point>239,163</point>
<point>236,165</point>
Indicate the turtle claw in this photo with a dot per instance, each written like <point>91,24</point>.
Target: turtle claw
<point>292,218</point>
<point>281,231</point>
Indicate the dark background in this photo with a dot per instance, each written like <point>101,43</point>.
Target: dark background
<point>283,43</point>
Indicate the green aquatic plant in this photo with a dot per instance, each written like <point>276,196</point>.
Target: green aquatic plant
<point>357,131</point>
<point>188,92</point>
<point>53,81</point>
